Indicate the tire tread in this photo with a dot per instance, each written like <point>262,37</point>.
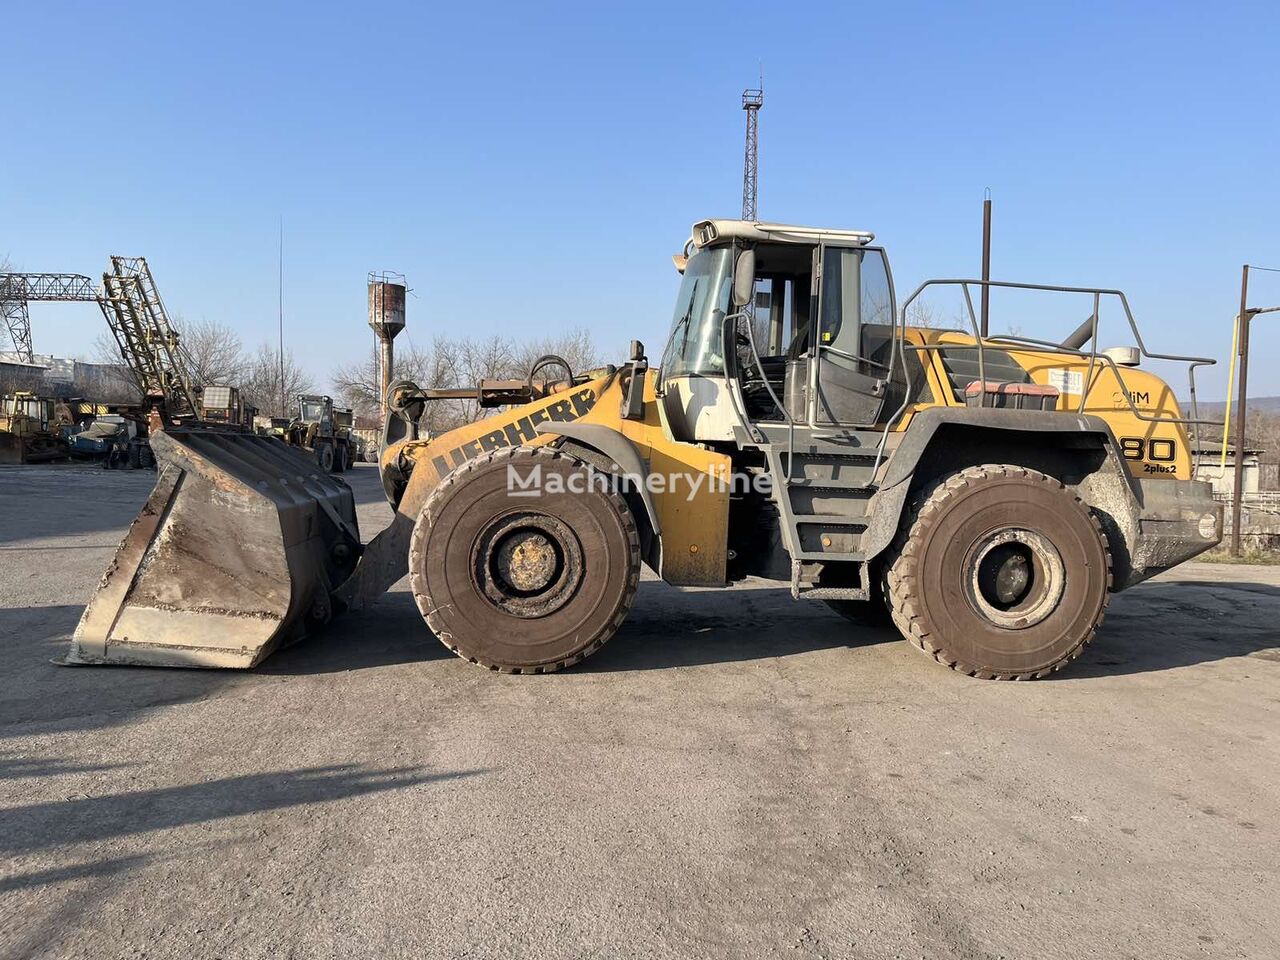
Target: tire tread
<point>418,547</point>
<point>901,585</point>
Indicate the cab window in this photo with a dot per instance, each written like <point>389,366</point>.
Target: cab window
<point>696,342</point>
<point>855,292</point>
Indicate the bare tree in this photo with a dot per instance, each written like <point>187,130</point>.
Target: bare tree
<point>213,351</point>
<point>260,383</point>
<point>577,348</point>
<point>358,383</point>
<point>113,380</point>
<point>923,314</point>
<point>104,349</point>
<point>453,363</point>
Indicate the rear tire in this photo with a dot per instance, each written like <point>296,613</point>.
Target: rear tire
<point>339,459</point>
<point>1000,572</point>
<point>518,583</point>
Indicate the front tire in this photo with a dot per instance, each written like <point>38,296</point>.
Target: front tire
<point>524,583</point>
<point>1000,573</point>
<point>324,457</point>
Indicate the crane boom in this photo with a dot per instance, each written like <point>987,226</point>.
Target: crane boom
<point>134,312</point>
<point>148,343</point>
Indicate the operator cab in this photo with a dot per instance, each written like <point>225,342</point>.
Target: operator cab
<point>775,323</point>
<point>314,409</point>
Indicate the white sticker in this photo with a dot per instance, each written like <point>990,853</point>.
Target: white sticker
<point>1067,381</point>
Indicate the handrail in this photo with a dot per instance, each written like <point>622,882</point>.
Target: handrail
<point>791,424</point>
<point>1093,353</point>
<point>899,348</point>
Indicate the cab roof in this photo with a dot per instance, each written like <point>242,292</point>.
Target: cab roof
<point>710,232</point>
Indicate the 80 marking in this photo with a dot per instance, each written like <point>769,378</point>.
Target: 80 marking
<point>1157,449</point>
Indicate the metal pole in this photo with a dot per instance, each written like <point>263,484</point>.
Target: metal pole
<point>985,327</point>
<point>378,389</point>
<point>1238,480</point>
<point>388,365</point>
<point>284,402</point>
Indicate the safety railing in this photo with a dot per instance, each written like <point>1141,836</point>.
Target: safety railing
<point>1267,500</point>
<point>1094,356</point>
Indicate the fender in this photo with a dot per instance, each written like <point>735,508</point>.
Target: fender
<point>617,448</point>
<point>1081,432</point>
<point>925,424</point>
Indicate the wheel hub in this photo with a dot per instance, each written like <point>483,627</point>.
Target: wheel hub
<point>526,560</point>
<point>1014,578</point>
<point>528,564</point>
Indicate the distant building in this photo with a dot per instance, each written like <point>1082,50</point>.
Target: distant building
<point>64,377</point>
<point>1207,459</point>
<point>16,374</point>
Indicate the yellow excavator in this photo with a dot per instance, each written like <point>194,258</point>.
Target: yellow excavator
<point>984,494</point>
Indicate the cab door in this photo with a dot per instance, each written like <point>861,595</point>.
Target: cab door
<point>855,294</point>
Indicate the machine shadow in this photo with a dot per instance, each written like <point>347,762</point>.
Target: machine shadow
<point>668,627</point>
<point>1167,624</point>
<point>389,632</point>
<point>673,627</point>
<point>57,823</point>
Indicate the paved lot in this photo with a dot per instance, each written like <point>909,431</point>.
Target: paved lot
<point>735,775</point>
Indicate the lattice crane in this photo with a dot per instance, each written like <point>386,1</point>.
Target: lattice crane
<point>131,304</point>
<point>19,289</point>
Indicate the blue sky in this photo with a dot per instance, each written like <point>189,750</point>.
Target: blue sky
<point>532,167</point>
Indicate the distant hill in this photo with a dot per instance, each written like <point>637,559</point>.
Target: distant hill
<point>1216,408</point>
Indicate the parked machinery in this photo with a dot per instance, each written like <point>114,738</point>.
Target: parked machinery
<point>220,404</point>
<point>324,431</point>
<point>150,347</point>
<point>75,413</point>
<point>119,440</point>
<point>984,494</point>
<point>277,427</point>
<point>366,440</point>
<point>29,429</point>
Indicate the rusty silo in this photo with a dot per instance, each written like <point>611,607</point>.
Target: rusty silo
<point>386,316</point>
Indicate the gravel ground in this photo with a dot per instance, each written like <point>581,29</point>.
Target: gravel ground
<point>735,775</point>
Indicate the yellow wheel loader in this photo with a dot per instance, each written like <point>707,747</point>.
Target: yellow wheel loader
<point>984,494</point>
<point>28,430</point>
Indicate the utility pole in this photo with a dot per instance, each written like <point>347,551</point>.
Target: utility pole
<point>1237,493</point>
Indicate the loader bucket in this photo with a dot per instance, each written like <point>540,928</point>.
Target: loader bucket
<point>236,553</point>
<point>10,448</point>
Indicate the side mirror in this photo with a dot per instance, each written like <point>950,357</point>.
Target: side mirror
<point>744,277</point>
